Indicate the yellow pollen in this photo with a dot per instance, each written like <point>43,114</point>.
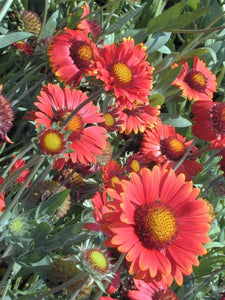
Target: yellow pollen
<point>122,73</point>
<point>176,146</point>
<point>109,120</point>
<point>162,223</point>
<point>114,180</point>
<point>98,259</point>
<point>200,79</point>
<point>85,53</point>
<point>52,142</point>
<point>75,124</point>
<point>135,165</point>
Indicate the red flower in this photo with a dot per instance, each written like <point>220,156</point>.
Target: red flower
<point>156,290</point>
<point>199,83</point>
<point>209,122</point>
<point>19,163</point>
<point>112,172</point>
<point>6,118</point>
<point>135,162</point>
<point>89,26</point>
<point>139,118</point>
<point>56,104</point>
<point>71,54</point>
<point>111,116</point>
<point>124,70</point>
<point>24,47</point>
<point>164,145</point>
<point>159,223</point>
<point>2,197</point>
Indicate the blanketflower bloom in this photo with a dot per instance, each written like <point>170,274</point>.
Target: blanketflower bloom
<point>125,71</point>
<point>112,173</point>
<point>156,290</point>
<point>164,145</point>
<point>24,47</point>
<point>135,162</point>
<point>2,197</point>
<point>199,83</point>
<point>159,223</point>
<point>19,163</point>
<point>139,118</point>
<point>209,122</point>
<point>6,118</point>
<point>89,26</point>
<point>111,116</point>
<point>71,55</point>
<point>55,106</point>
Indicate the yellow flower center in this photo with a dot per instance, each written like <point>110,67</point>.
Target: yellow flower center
<point>85,53</point>
<point>135,165</point>
<point>156,225</point>
<point>122,73</point>
<point>97,260</point>
<point>75,124</point>
<point>109,120</point>
<point>51,142</point>
<point>114,180</point>
<point>173,148</point>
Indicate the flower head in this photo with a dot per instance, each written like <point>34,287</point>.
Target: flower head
<point>86,139</point>
<point>19,163</point>
<point>30,21</point>
<point>135,162</point>
<point>112,172</point>
<point>89,26</point>
<point>209,122</point>
<point>6,118</point>
<point>164,145</point>
<point>24,47</point>
<point>124,70</point>
<point>71,55</point>
<point>156,290</point>
<point>198,83</point>
<point>159,223</point>
<point>139,118</point>
<point>52,142</point>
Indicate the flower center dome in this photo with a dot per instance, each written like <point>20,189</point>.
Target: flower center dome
<point>81,53</point>
<point>196,80</point>
<point>173,148</point>
<point>122,73</point>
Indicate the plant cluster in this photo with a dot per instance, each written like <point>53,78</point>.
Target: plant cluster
<point>112,143</point>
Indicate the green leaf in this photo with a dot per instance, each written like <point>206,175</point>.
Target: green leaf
<point>50,25</point>
<point>41,232</point>
<point>156,99</point>
<point>157,40</point>
<point>8,39</point>
<point>165,19</point>
<point>51,205</point>
<point>122,21</point>
<point>166,79</point>
<point>166,62</point>
<point>174,120</point>
<point>194,52</point>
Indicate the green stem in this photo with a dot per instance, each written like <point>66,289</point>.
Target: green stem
<point>30,176</point>
<point>190,31</point>
<point>24,79</point>
<point>5,8</point>
<point>117,265</point>
<point>89,99</point>
<point>43,21</point>
<point>61,286</point>
<point>185,155</point>
<point>73,297</point>
<point>197,38</point>
<point>6,275</point>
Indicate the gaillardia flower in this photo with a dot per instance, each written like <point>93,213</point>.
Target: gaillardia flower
<point>209,122</point>
<point>163,145</point>
<point>199,83</point>
<point>2,197</point>
<point>55,106</point>
<point>139,118</point>
<point>125,71</point>
<point>71,55</point>
<point>6,118</point>
<point>159,223</point>
<point>156,290</point>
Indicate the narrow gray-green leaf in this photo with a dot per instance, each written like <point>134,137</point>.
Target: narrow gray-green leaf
<point>8,39</point>
<point>50,25</point>
<point>174,120</point>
